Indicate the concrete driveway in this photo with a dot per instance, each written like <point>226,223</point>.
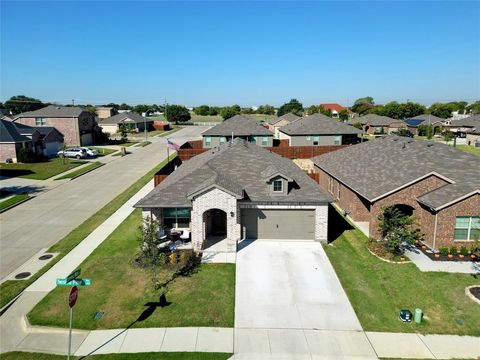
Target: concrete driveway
<point>289,285</point>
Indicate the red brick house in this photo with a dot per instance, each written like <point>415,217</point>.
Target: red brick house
<point>76,125</point>
<point>437,184</point>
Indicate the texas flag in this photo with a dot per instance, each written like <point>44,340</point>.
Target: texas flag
<point>172,146</point>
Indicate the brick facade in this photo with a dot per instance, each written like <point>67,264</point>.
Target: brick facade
<point>9,151</point>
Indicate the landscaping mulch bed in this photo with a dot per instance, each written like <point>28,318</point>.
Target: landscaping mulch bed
<point>431,255</point>
<point>475,291</point>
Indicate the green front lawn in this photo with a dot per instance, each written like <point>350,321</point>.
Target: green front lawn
<point>469,149</point>
<point>11,288</point>
<point>378,290</point>
<point>81,171</point>
<point>121,290</point>
<point>102,151</point>
<point>17,355</point>
<point>39,170</point>
<point>144,143</point>
<point>13,200</point>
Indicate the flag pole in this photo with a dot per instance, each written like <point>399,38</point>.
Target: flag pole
<point>168,151</point>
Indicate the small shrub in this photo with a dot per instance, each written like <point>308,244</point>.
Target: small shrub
<point>473,249</point>
<point>25,156</point>
<point>453,250</point>
<point>443,251</point>
<point>174,258</point>
<point>464,251</point>
<point>185,258</point>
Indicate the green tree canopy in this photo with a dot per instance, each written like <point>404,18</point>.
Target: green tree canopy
<point>124,106</point>
<point>313,109</point>
<point>266,110</point>
<point>202,110</point>
<point>21,103</point>
<point>474,108</point>
<point>294,106</point>
<point>365,100</point>
<point>228,112</point>
<point>177,113</point>
<point>443,111</point>
<point>343,115</point>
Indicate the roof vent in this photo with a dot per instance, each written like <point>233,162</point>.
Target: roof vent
<point>430,145</point>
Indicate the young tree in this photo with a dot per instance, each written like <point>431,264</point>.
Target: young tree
<point>294,106</point>
<point>447,135</point>
<point>150,253</point>
<point>124,130</point>
<point>177,113</point>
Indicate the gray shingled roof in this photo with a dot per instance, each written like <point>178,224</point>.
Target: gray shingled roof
<point>374,120</point>
<point>9,133</point>
<point>53,111</point>
<point>129,116</point>
<point>236,168</point>
<point>377,167</point>
<point>318,124</point>
<point>470,122</point>
<point>240,126</point>
<point>427,118</point>
<point>289,117</point>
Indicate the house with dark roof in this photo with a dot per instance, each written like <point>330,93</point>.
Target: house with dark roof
<point>377,124</point>
<point>470,126</point>
<point>335,110</point>
<point>44,141</point>
<point>318,130</point>
<point>76,125</point>
<point>238,126</point>
<point>424,119</point>
<point>435,183</point>
<point>133,121</point>
<point>240,191</point>
<point>281,121</point>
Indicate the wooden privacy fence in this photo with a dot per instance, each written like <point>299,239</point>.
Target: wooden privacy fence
<point>304,152</point>
<point>163,173</point>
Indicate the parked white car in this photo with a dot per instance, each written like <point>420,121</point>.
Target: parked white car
<point>78,153</point>
<point>90,152</point>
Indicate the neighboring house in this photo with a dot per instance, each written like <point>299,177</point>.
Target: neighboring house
<point>318,130</point>
<point>376,124</point>
<point>76,125</point>
<point>470,126</point>
<point>240,191</point>
<point>437,184</point>
<point>104,112</point>
<point>335,110</point>
<point>280,122</point>
<point>425,119</point>
<point>240,127</point>
<point>134,121</point>
<point>13,137</point>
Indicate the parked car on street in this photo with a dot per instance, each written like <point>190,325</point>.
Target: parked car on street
<point>77,153</point>
<point>90,152</point>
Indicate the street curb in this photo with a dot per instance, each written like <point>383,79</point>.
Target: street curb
<point>16,204</point>
<point>86,172</point>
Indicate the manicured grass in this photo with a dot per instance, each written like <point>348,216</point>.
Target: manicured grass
<point>121,290</point>
<point>144,143</point>
<point>13,200</point>
<point>120,154</point>
<point>17,355</point>
<point>469,149</point>
<point>103,151</point>
<point>81,171</point>
<point>40,170</point>
<point>11,288</point>
<point>128,143</point>
<point>378,290</point>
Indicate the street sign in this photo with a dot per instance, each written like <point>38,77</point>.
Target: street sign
<point>73,275</point>
<point>76,282</point>
<point>72,299</point>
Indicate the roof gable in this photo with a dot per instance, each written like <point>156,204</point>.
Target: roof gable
<point>238,125</point>
<point>53,111</point>
<point>318,124</point>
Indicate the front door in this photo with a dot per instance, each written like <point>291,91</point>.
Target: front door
<point>219,222</point>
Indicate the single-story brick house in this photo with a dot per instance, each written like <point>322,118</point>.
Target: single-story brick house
<point>437,184</point>
<point>283,120</point>
<point>44,141</point>
<point>240,191</point>
<point>318,130</point>
<point>134,121</point>
<point>76,125</point>
<point>377,124</point>
<point>470,126</point>
<point>425,119</point>
<point>240,127</point>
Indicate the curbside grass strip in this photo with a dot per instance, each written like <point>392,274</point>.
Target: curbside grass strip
<point>29,197</point>
<point>12,288</point>
<point>97,165</point>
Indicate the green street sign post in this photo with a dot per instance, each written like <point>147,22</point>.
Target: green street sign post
<point>76,282</point>
<point>73,275</point>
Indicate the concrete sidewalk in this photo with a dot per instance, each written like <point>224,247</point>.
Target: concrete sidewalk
<point>424,263</point>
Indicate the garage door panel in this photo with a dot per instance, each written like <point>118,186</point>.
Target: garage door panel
<point>278,224</point>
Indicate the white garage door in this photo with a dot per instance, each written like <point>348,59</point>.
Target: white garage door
<point>278,224</point>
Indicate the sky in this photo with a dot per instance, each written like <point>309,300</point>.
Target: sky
<point>246,53</point>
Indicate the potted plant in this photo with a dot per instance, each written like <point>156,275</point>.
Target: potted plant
<point>474,250</point>
<point>453,251</point>
<point>437,255</point>
<point>463,252</point>
<point>424,247</point>
<point>444,251</point>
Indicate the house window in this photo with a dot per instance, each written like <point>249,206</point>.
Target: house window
<point>176,217</point>
<point>338,190</point>
<point>277,186</point>
<point>264,140</point>
<point>222,139</point>
<point>467,228</point>
<point>330,185</point>
<point>309,138</point>
<point>253,139</point>
<point>39,121</point>
<point>316,140</point>
<point>208,140</point>
<point>338,140</point>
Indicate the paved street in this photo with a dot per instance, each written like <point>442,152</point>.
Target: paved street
<point>44,220</point>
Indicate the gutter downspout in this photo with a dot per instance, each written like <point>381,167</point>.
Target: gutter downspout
<point>435,232</point>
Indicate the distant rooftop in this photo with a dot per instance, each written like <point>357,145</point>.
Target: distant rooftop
<point>318,124</point>
<point>240,126</point>
<point>53,111</point>
<point>126,116</point>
